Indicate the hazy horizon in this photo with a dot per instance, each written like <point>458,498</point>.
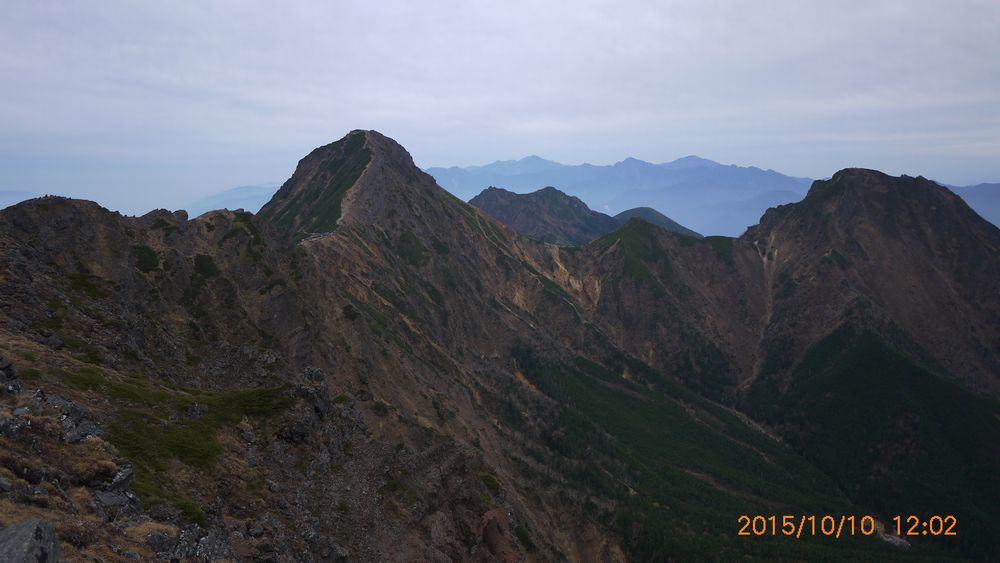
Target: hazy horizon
<point>197,202</point>
<point>147,106</point>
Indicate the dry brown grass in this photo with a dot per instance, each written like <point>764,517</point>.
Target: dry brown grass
<point>139,532</point>
<point>83,462</point>
<point>81,537</point>
<point>80,497</point>
<point>87,470</point>
<point>40,450</point>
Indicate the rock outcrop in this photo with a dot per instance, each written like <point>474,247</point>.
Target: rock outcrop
<point>9,384</point>
<point>32,541</point>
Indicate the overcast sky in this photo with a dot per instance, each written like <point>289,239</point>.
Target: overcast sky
<point>142,104</point>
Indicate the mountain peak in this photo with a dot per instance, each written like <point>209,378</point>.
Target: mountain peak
<point>653,216</point>
<point>632,162</point>
<point>331,184</point>
<point>856,202</point>
<point>311,200</point>
<point>689,162</point>
<point>552,191</point>
<point>547,214</point>
<point>867,183</point>
<point>530,164</point>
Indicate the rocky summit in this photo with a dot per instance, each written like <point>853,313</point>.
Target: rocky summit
<point>371,369</point>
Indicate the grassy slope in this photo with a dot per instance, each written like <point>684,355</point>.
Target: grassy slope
<point>320,202</point>
<point>898,438</point>
<point>693,467</point>
<point>152,428</point>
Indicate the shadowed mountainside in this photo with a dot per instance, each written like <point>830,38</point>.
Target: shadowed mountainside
<point>549,215</point>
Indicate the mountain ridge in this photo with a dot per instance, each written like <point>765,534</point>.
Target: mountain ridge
<point>982,197</point>
<point>702,194</point>
<point>447,387</point>
<point>547,215</point>
<point>550,215</point>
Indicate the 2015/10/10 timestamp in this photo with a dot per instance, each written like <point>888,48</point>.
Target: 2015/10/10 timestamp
<point>913,525</point>
<point>845,525</point>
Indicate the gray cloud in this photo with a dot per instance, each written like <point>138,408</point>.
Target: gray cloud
<point>140,105</point>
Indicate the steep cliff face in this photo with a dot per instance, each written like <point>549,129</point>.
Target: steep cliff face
<point>904,253</point>
<point>372,369</point>
<point>903,256</point>
<point>678,303</point>
<point>879,343</point>
<point>854,323</point>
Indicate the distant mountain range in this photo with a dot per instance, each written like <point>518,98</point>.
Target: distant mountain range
<point>706,196</point>
<point>249,198</point>
<point>702,194</point>
<point>983,198</point>
<point>550,215</point>
<point>698,193</point>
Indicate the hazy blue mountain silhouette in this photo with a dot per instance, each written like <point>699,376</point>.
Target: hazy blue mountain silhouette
<point>653,216</point>
<point>706,196</point>
<point>701,194</point>
<point>983,198</point>
<point>249,198</point>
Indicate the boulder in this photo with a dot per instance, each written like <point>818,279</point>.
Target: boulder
<point>76,420</point>
<point>32,541</point>
<point>9,383</point>
<point>10,387</point>
<point>197,410</point>
<point>15,427</point>
<point>197,543</point>
<point>160,542</point>
<point>313,375</point>
<point>123,478</point>
<point>7,370</point>
<point>112,506</point>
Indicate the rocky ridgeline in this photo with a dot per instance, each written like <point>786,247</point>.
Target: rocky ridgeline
<point>372,369</point>
<point>55,462</point>
<point>59,460</point>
